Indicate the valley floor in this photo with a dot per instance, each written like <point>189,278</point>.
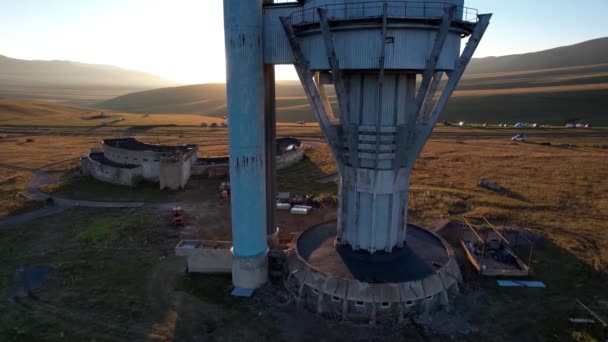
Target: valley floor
<point>112,275</point>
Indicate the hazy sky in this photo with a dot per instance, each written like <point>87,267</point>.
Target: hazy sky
<point>183,40</point>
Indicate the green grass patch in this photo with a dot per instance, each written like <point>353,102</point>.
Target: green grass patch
<point>213,288</point>
<point>111,228</point>
<point>88,188</point>
<point>99,230</point>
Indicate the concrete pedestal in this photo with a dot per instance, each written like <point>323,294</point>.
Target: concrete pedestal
<point>359,286</point>
<point>249,272</point>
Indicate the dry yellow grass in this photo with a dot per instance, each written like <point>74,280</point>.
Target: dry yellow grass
<point>531,90</point>
<point>581,68</point>
<point>558,190</point>
<point>12,199</point>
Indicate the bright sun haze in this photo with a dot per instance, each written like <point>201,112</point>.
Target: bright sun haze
<point>183,40</point>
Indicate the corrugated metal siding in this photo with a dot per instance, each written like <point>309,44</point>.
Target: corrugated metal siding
<point>388,101</point>
<point>370,101</point>
<point>366,208</point>
<point>448,60</point>
<point>381,222</point>
<point>276,46</point>
<point>359,48</point>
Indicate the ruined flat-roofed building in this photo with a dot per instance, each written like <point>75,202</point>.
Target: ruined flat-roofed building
<point>127,161</point>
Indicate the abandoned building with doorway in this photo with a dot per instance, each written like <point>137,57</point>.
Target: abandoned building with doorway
<point>127,161</point>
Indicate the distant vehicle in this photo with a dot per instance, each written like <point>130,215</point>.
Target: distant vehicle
<point>570,125</point>
<point>203,124</point>
<point>520,125</point>
<point>485,124</point>
<point>535,125</point>
<point>213,124</point>
<point>520,137</point>
<point>587,125</point>
<point>446,123</point>
<point>300,122</point>
<point>580,125</point>
<point>462,123</point>
<point>224,124</point>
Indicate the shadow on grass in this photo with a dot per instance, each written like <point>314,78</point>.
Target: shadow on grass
<point>509,193</point>
<point>90,189</point>
<point>145,128</point>
<point>303,178</point>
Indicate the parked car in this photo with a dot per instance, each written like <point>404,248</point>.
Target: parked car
<point>520,125</point>
<point>520,137</point>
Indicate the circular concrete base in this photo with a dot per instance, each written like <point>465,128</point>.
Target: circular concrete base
<point>356,285</point>
<point>250,272</point>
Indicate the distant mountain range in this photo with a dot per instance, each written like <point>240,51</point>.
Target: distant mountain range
<point>551,86</point>
<point>66,80</point>
<point>586,53</point>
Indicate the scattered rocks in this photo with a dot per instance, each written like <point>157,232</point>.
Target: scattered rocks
<point>490,185</point>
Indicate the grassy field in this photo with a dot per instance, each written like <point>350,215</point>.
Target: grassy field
<point>113,277</point>
<point>12,199</point>
<point>110,282</point>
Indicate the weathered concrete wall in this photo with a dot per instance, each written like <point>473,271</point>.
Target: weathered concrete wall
<point>84,166</point>
<point>284,160</point>
<point>290,158</point>
<point>149,160</point>
<point>175,171</point>
<point>217,170</point>
<point>208,257</point>
<point>112,174</point>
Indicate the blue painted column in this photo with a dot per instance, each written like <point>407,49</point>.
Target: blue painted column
<point>245,92</point>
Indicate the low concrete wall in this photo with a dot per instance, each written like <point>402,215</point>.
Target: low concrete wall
<point>290,158</point>
<point>112,174</point>
<point>175,171</point>
<point>207,256</point>
<point>149,158</point>
<point>284,160</point>
<point>217,170</point>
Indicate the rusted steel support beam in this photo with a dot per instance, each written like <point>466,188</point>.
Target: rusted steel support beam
<point>312,92</point>
<point>455,75</point>
<point>381,66</point>
<point>336,74</point>
<point>431,63</point>
<point>427,104</point>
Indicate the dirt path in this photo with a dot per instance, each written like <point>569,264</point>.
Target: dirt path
<point>16,168</point>
<point>32,190</point>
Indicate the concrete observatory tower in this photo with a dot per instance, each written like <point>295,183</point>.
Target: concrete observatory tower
<point>385,60</point>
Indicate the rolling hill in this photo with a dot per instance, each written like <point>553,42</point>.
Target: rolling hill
<point>65,80</point>
<point>590,52</point>
<point>551,86</point>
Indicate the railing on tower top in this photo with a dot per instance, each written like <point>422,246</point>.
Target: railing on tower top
<point>395,9</point>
